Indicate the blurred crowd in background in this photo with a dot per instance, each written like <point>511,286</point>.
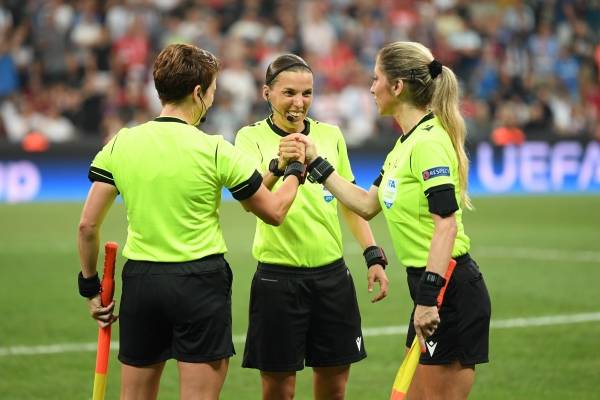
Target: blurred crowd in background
<point>71,70</point>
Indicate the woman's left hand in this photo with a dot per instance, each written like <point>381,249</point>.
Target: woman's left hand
<point>426,321</point>
<point>376,273</point>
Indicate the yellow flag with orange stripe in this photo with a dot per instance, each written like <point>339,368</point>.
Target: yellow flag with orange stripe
<point>409,365</point>
<point>106,296</point>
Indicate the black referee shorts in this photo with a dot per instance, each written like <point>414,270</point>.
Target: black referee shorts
<point>303,314</point>
<point>463,332</point>
<point>176,310</point>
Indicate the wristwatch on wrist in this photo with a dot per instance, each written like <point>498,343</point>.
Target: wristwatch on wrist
<point>273,167</point>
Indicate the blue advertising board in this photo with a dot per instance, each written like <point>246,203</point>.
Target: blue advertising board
<point>563,167</point>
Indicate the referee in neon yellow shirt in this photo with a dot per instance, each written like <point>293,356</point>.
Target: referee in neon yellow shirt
<point>303,307</point>
<point>421,189</point>
<point>176,297</point>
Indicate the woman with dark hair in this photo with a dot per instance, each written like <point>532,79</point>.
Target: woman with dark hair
<point>421,190</point>
<point>303,307</point>
<point>176,298</point>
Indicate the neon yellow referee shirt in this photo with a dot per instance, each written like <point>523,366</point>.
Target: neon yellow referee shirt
<point>170,175</point>
<point>310,236</point>
<point>422,159</point>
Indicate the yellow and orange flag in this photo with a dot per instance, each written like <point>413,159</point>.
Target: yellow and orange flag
<point>411,359</point>
<point>106,296</point>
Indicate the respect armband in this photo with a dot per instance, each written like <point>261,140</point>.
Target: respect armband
<point>88,287</point>
<point>375,255</point>
<point>319,170</point>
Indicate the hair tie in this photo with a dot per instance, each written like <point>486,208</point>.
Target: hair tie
<point>435,68</point>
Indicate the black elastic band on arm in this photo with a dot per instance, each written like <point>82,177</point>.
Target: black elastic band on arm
<point>377,181</point>
<point>319,170</point>
<point>297,169</point>
<point>100,175</point>
<point>375,255</point>
<point>429,287</point>
<point>442,200</point>
<point>247,188</point>
<point>88,287</point>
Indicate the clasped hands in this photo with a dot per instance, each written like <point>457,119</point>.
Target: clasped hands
<point>296,147</point>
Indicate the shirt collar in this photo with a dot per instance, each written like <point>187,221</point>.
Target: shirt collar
<point>170,119</point>
<point>281,132</point>
<point>427,117</point>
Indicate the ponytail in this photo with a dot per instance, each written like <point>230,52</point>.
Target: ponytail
<point>445,106</point>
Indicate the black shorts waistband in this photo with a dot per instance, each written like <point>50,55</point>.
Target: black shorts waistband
<point>205,264</point>
<point>292,270</point>
<point>460,260</point>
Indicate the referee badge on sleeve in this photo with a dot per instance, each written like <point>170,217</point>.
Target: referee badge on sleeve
<point>389,192</point>
<point>327,196</point>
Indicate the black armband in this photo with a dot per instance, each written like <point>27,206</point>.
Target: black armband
<point>378,180</point>
<point>246,189</point>
<point>297,169</point>
<point>319,170</point>
<point>442,200</point>
<point>274,168</point>
<point>375,255</point>
<point>429,288</point>
<point>88,287</point>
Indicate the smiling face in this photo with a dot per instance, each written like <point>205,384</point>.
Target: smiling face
<point>290,95</point>
<point>384,94</point>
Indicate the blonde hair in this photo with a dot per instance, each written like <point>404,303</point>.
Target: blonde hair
<point>410,62</point>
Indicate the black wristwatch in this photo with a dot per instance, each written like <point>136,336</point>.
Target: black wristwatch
<point>433,279</point>
<point>273,167</point>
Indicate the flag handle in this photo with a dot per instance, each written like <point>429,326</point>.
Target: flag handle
<point>106,296</point>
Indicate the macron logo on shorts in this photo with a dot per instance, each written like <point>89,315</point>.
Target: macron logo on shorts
<point>431,347</point>
<point>358,342</point>
<point>435,171</point>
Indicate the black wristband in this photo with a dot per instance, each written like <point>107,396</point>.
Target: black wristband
<point>375,255</point>
<point>319,170</point>
<point>429,288</point>
<point>274,167</point>
<point>297,169</point>
<point>88,287</point>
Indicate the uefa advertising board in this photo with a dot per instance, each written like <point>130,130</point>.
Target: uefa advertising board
<point>534,168</point>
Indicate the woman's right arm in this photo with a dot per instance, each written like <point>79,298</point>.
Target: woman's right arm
<point>99,200</point>
<point>366,204</point>
<point>362,202</point>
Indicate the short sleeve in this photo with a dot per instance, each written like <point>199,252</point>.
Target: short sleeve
<point>236,171</point>
<point>431,165</point>
<point>343,168</point>
<point>248,146</point>
<point>102,166</point>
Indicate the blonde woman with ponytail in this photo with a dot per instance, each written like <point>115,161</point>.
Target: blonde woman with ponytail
<point>422,190</point>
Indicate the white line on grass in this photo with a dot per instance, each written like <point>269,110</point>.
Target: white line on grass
<point>548,320</point>
<point>519,253</point>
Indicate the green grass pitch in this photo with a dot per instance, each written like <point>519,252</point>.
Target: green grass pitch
<point>539,255</point>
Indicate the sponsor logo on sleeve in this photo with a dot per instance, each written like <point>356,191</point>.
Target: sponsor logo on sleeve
<point>434,172</point>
